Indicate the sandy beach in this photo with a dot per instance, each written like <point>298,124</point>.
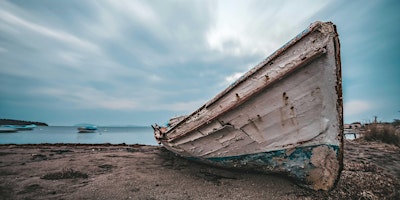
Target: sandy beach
<point>371,171</point>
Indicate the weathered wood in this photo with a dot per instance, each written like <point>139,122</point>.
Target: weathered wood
<point>283,116</point>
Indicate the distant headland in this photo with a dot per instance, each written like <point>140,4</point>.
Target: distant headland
<point>20,122</point>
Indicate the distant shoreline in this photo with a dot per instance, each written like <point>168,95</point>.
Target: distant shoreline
<point>20,122</point>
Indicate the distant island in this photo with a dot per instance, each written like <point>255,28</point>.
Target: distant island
<point>20,122</point>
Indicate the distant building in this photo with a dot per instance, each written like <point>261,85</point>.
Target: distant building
<point>354,125</point>
<point>352,131</point>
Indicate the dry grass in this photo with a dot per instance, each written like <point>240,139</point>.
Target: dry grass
<point>382,132</point>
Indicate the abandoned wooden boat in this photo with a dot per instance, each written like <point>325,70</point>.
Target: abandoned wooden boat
<point>283,116</point>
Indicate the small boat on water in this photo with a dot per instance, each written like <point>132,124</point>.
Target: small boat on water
<point>5,129</point>
<point>21,127</point>
<point>87,129</point>
<point>26,127</point>
<point>283,116</point>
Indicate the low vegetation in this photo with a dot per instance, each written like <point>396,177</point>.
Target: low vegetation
<point>382,132</point>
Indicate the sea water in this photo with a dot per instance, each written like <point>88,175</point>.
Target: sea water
<point>69,134</point>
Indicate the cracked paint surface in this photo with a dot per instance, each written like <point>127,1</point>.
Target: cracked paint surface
<point>314,167</point>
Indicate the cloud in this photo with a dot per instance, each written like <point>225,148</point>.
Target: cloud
<point>233,77</point>
<point>63,37</point>
<point>185,107</point>
<point>237,32</point>
<point>2,50</point>
<point>88,98</point>
<point>354,107</point>
<point>136,10</point>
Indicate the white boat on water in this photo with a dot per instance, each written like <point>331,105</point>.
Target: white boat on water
<point>21,127</point>
<point>283,116</point>
<point>5,129</point>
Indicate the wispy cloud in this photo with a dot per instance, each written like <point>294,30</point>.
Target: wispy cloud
<point>238,33</point>
<point>354,107</point>
<point>89,98</point>
<point>64,37</point>
<point>233,77</point>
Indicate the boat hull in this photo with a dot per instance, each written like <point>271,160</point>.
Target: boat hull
<point>22,127</point>
<point>7,130</point>
<point>308,166</point>
<point>87,129</point>
<point>283,116</point>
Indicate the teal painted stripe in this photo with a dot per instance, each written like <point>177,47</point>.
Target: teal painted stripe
<point>298,152</point>
<point>296,163</point>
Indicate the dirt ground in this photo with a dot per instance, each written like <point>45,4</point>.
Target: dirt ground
<point>371,171</point>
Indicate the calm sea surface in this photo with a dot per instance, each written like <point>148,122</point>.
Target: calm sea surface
<point>69,134</point>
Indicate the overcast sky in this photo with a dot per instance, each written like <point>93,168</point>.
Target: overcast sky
<point>125,62</point>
